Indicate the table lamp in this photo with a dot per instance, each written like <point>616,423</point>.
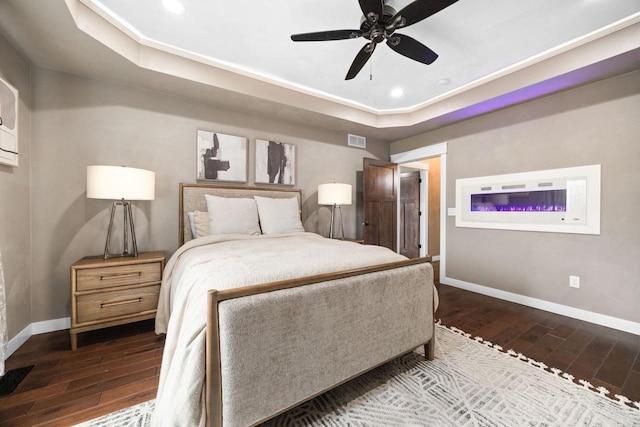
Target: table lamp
<point>122,185</point>
<point>334,194</point>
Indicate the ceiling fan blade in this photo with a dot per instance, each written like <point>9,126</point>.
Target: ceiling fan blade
<point>411,48</point>
<point>361,58</point>
<point>419,10</point>
<point>371,9</point>
<point>322,36</point>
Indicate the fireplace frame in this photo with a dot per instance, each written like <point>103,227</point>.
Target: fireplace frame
<point>582,208</point>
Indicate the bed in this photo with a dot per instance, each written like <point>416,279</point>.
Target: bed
<point>257,324</point>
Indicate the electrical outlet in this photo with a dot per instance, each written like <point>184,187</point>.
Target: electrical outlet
<point>574,281</point>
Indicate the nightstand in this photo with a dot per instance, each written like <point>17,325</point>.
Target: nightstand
<point>114,291</point>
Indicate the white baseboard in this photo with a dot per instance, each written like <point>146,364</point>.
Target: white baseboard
<point>565,310</point>
<point>15,342</point>
<point>35,329</point>
<point>576,313</point>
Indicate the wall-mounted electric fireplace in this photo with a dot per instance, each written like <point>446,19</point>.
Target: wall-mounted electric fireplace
<point>557,200</point>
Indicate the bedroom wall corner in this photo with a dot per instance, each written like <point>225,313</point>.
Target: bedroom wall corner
<point>592,124</point>
<point>15,203</point>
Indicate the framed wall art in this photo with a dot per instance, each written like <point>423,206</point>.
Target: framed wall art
<point>8,124</point>
<point>221,157</point>
<point>275,163</point>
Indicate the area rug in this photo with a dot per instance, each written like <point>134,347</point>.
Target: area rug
<point>470,383</point>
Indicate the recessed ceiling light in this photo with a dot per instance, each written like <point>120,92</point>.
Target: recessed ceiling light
<point>444,81</point>
<point>173,6</point>
<point>397,92</point>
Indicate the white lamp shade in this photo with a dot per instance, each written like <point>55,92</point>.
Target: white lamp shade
<point>334,194</point>
<point>120,182</point>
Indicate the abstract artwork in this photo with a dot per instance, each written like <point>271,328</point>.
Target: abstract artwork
<point>275,163</point>
<point>221,157</point>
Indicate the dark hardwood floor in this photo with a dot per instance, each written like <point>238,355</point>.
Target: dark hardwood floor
<point>119,367</point>
<point>112,369</point>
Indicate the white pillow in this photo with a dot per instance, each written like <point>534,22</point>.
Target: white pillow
<point>279,215</point>
<point>228,215</point>
<point>201,223</point>
<point>192,224</point>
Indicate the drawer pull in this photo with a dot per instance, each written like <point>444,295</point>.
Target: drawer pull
<point>120,276</point>
<point>116,303</point>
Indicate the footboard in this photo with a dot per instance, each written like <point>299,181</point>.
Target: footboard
<point>271,347</point>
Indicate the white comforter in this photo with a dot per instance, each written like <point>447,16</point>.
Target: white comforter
<point>225,262</point>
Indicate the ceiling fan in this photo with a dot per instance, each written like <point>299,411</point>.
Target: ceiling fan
<point>379,23</point>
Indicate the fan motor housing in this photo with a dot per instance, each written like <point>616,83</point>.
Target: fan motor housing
<point>380,30</point>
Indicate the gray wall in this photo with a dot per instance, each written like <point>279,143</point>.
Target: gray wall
<point>594,124</point>
<point>80,122</point>
<point>15,239</point>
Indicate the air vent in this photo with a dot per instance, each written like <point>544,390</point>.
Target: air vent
<point>357,141</point>
<point>513,187</point>
<point>545,184</point>
<point>485,188</point>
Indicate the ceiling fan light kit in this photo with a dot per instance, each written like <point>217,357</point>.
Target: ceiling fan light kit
<point>379,23</point>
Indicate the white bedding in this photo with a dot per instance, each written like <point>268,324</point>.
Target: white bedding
<point>225,262</point>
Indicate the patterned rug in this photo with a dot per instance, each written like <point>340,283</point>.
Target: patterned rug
<point>470,383</point>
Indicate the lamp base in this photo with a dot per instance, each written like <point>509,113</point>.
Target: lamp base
<point>122,255</point>
<point>333,215</point>
<point>128,226</point>
<point>333,211</point>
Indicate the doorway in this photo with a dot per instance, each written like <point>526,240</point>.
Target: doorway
<point>427,222</point>
<point>413,210</point>
<point>429,203</point>
<point>436,212</point>
<point>410,213</point>
<point>434,242</point>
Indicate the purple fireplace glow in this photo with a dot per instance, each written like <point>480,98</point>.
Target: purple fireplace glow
<point>520,201</point>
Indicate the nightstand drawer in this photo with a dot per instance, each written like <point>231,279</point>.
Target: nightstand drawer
<point>107,305</point>
<point>106,277</point>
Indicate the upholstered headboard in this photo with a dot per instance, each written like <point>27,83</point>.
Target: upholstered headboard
<point>192,199</point>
